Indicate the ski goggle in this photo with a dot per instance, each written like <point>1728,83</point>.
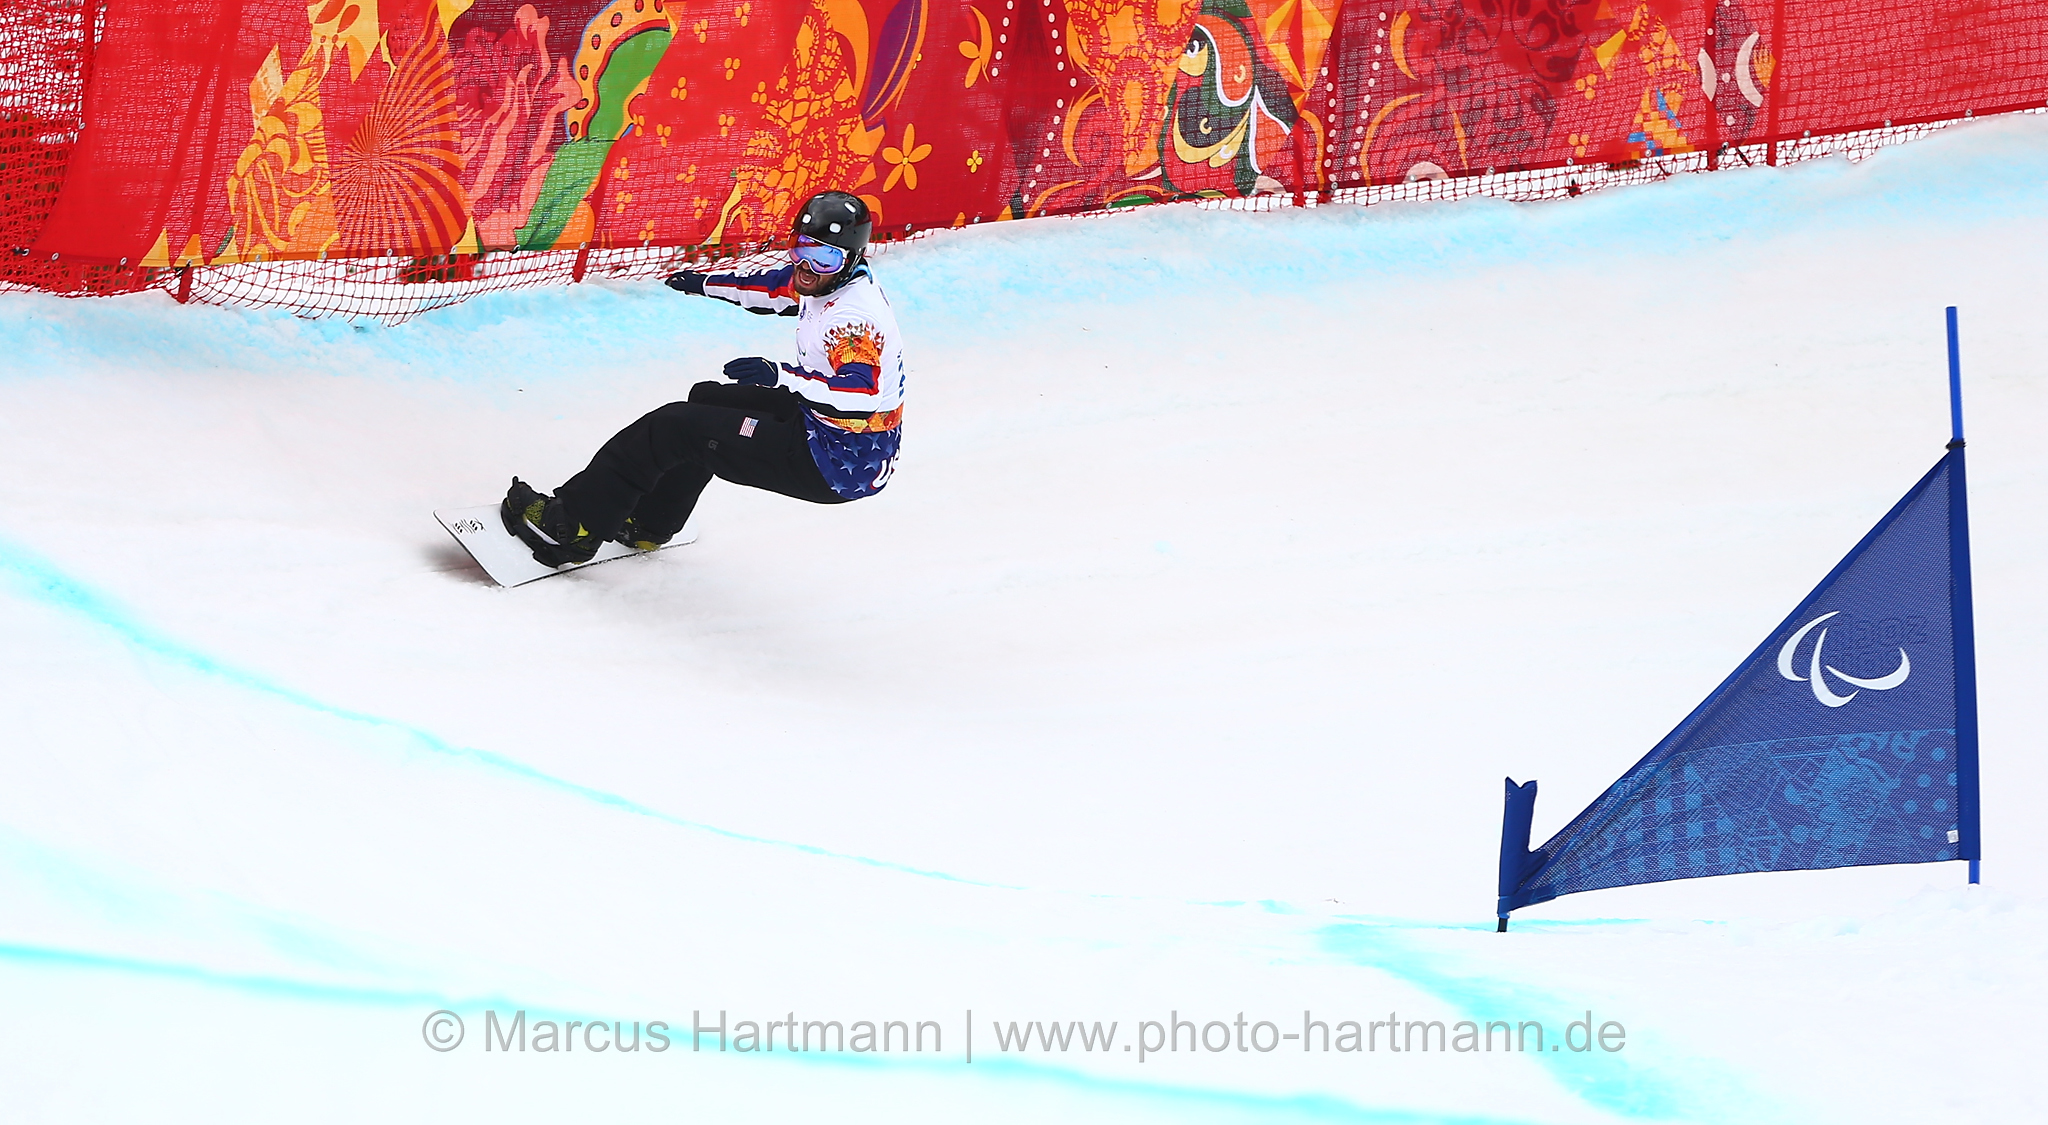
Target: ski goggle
<point>822,258</point>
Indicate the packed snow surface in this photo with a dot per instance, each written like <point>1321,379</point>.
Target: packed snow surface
<point>1232,562</point>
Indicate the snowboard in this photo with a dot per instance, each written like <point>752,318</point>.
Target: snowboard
<point>510,562</point>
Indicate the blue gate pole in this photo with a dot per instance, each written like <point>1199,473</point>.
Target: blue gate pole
<point>1965,635</point>
<point>1955,380</point>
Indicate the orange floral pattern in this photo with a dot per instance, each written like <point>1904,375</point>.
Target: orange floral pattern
<point>854,343</point>
<point>866,423</point>
<point>279,193</point>
<point>811,135</point>
<point>431,127</point>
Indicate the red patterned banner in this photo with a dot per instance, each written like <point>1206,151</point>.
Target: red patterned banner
<point>228,131</point>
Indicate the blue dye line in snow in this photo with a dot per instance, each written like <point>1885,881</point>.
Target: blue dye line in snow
<point>284,988</point>
<point>1262,1107</point>
<point>45,583</point>
<point>1607,1081</point>
<point>1635,1095</point>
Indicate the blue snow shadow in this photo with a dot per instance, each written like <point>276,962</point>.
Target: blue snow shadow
<point>1002,276</point>
<point>1969,175</point>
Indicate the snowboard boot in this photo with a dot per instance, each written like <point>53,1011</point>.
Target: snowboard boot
<point>543,523</point>
<point>639,538</point>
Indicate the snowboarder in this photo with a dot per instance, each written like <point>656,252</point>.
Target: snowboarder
<point>824,428</point>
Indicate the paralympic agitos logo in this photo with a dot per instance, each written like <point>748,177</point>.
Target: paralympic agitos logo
<point>1815,667</point>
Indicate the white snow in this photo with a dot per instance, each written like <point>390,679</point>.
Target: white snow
<point>1232,562</point>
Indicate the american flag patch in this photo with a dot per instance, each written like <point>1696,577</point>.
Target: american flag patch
<point>747,427</point>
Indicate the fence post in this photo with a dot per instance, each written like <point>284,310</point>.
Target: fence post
<point>1714,81</point>
<point>1778,71</point>
<point>1308,85</point>
<point>1300,181</point>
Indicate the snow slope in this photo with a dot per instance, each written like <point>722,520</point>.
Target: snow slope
<point>1232,562</point>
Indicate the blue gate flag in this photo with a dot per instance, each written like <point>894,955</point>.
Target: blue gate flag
<point>1848,738</point>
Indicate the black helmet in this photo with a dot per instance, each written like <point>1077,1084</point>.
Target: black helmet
<point>836,218</point>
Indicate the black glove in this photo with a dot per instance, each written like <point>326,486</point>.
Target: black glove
<point>752,369</point>
<point>687,282</point>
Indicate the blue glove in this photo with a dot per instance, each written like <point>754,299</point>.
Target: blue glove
<point>687,282</point>
<point>752,369</point>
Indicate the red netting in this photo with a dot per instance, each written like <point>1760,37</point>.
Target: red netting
<point>381,157</point>
<point>45,57</point>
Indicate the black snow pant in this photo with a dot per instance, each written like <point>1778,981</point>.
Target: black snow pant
<point>654,469</point>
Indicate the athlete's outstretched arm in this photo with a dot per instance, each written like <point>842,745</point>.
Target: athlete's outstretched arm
<point>770,293</point>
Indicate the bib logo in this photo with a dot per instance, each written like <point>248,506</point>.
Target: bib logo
<point>1814,668</point>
